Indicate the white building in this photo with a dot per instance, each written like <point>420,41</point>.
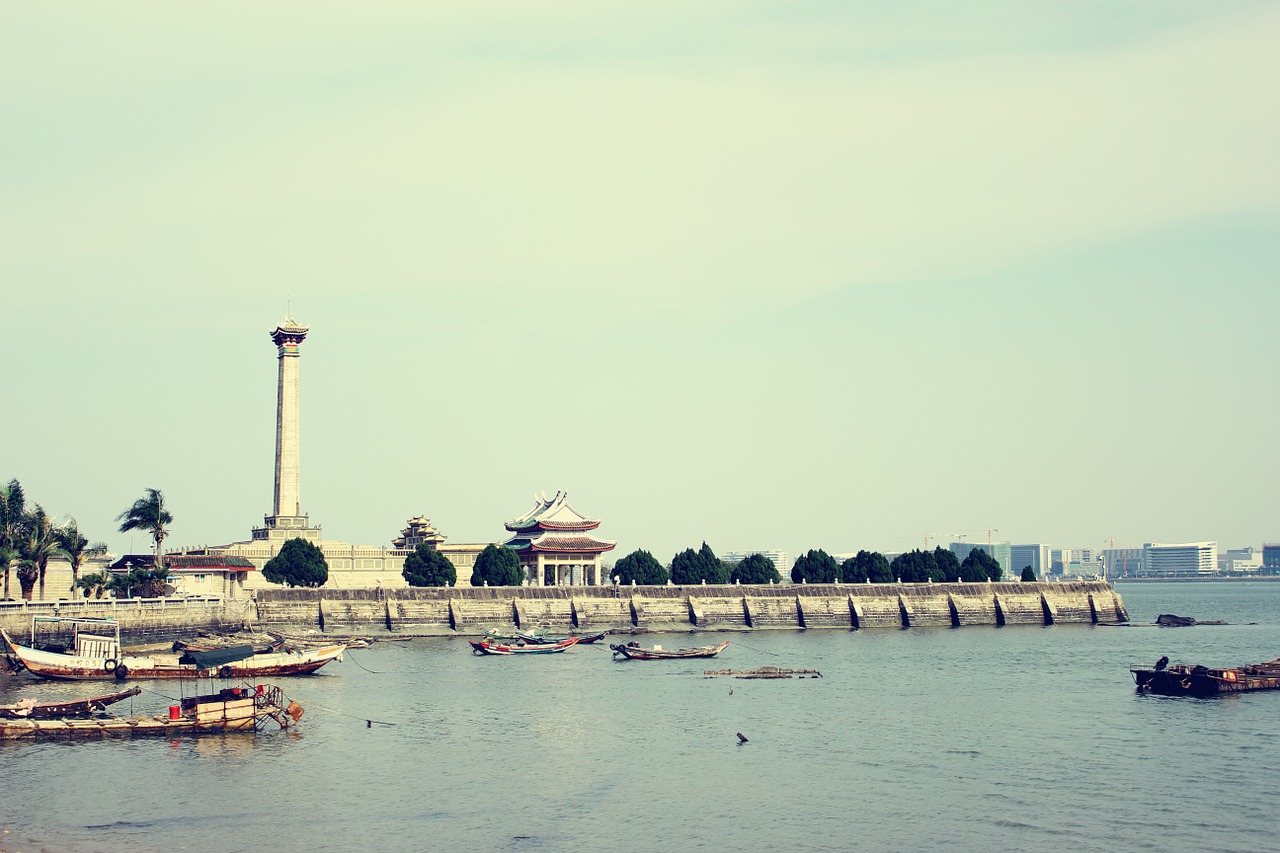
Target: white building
<point>1186,560</point>
<point>1240,561</point>
<point>781,560</point>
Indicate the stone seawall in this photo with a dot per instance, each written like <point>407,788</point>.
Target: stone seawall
<point>468,610</point>
<point>711,608</point>
<point>142,620</point>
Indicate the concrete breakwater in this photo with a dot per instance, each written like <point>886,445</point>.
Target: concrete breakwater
<point>469,610</point>
<point>734,608</point>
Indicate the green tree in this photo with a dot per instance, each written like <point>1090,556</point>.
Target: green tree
<point>980,566</point>
<point>878,569</point>
<point>28,573</point>
<point>76,547</point>
<point>41,545</point>
<point>815,567</point>
<point>93,585</point>
<point>757,569</point>
<point>7,556</point>
<point>148,514</point>
<point>13,520</point>
<point>866,566</point>
<point>640,567</point>
<point>686,568</point>
<point>144,581</point>
<point>915,567</point>
<point>497,565</point>
<point>948,565</point>
<point>428,567</point>
<point>299,563</point>
<point>714,570</point>
<point>1028,573</point>
<point>854,570</point>
<point>694,567</point>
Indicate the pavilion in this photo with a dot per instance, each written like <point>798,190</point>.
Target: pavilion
<point>553,538</point>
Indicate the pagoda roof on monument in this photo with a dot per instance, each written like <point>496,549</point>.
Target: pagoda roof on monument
<point>552,514</point>
<point>570,542</point>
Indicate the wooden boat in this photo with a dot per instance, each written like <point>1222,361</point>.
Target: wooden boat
<point>583,639</point>
<point>1194,680</point>
<point>232,709</point>
<point>31,710</point>
<point>764,672</point>
<point>634,651</point>
<point>485,647</point>
<point>95,653</point>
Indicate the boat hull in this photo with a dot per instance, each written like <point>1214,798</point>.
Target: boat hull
<point>66,708</point>
<point>69,667</point>
<point>1182,680</point>
<point>484,647</point>
<point>641,653</point>
<point>241,709</point>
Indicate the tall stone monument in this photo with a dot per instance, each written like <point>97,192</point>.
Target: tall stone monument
<point>286,519</point>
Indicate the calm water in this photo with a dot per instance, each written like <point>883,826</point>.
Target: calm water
<point>1019,739</point>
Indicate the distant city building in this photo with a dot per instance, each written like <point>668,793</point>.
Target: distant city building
<point>1122,562</point>
<point>1240,561</point>
<point>1271,559</point>
<point>554,538</point>
<point>781,560</point>
<point>1190,559</point>
<point>999,550</point>
<point>1038,557</point>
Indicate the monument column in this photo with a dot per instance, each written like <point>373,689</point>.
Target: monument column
<point>288,336</point>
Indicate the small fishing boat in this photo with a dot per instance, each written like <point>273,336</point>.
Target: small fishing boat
<point>764,672</point>
<point>486,647</point>
<point>1181,679</point>
<point>583,639</point>
<point>232,709</point>
<point>95,653</point>
<point>634,651</point>
<point>28,709</point>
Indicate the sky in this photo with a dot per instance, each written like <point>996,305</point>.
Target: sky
<point>832,275</point>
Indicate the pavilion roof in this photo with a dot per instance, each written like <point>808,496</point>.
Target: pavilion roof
<point>579,543</point>
<point>552,514</point>
<point>186,562</point>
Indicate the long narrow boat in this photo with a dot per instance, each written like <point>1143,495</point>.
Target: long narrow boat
<point>485,647</point>
<point>1181,679</point>
<point>95,653</point>
<point>634,651</point>
<point>543,639</point>
<point>31,710</point>
<point>232,709</point>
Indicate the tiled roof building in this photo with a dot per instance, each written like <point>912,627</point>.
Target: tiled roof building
<point>554,543</point>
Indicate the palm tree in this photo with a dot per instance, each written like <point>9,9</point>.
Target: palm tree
<point>13,519</point>
<point>28,573</point>
<point>7,556</point>
<point>147,513</point>
<point>76,547</point>
<point>94,585</point>
<point>42,543</point>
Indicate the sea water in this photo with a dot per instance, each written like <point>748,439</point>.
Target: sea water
<point>982,738</point>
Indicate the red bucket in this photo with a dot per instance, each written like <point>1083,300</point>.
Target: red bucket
<point>175,712</point>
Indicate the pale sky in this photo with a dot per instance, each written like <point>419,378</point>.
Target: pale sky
<point>829,275</point>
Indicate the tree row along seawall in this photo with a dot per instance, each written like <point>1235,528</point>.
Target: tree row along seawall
<point>708,608</point>
<point>470,610</point>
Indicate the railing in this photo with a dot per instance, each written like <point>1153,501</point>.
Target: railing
<point>91,606</point>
